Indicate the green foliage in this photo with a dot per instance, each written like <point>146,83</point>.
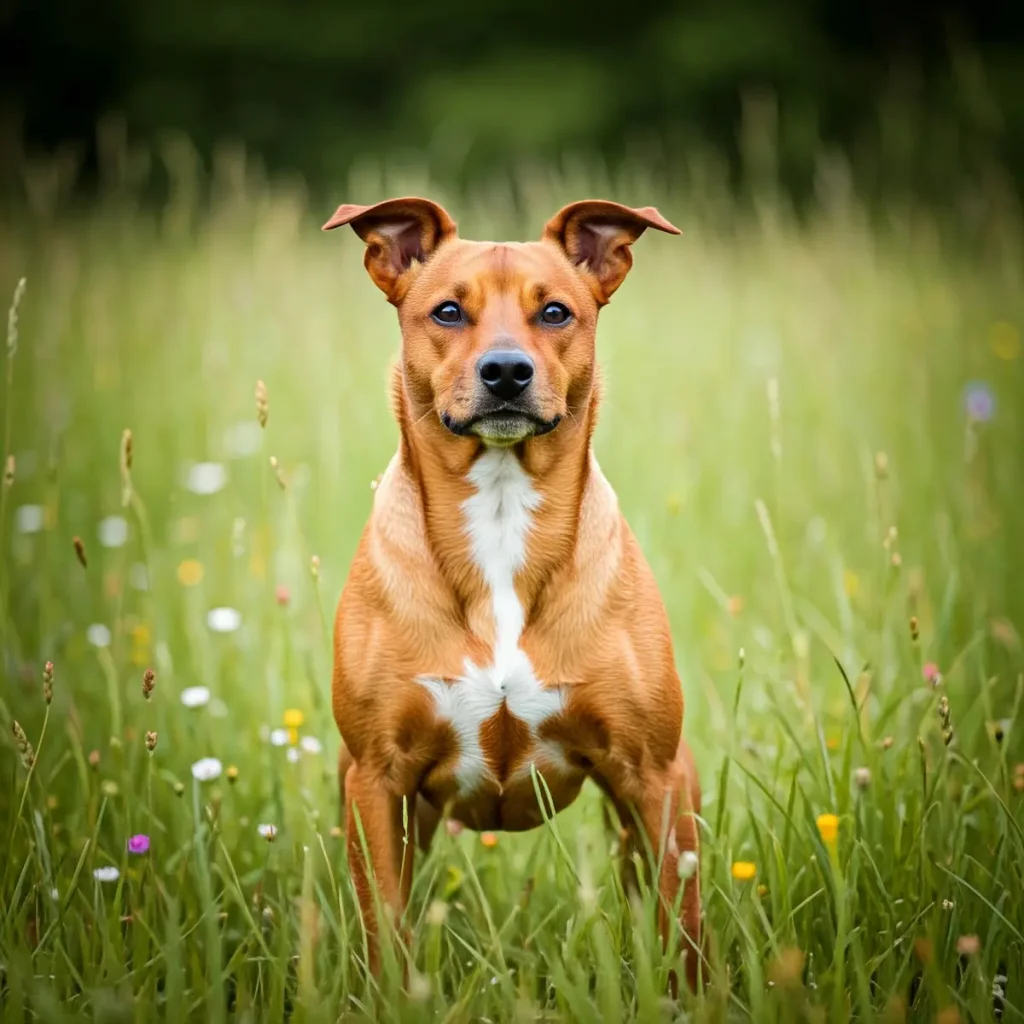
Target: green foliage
<point>754,369</point>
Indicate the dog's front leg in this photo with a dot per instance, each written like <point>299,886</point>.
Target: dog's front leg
<point>378,825</point>
<point>658,808</point>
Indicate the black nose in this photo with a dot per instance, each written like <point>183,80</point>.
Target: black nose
<point>506,372</point>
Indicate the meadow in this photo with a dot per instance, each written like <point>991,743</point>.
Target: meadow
<point>815,425</point>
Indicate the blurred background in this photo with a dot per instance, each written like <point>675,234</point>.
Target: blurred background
<point>917,97</point>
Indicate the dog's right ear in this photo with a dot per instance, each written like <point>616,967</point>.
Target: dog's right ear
<point>397,233</point>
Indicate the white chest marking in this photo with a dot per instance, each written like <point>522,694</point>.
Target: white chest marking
<point>498,520</point>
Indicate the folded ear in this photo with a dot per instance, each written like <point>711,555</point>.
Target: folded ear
<point>397,232</point>
<point>596,235</point>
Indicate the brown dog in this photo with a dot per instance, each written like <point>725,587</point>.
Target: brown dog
<point>499,615</point>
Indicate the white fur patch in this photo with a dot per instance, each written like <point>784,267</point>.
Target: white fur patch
<point>498,520</point>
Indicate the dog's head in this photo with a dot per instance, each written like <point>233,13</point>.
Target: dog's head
<point>498,339</point>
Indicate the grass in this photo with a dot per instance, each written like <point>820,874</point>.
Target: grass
<point>785,423</point>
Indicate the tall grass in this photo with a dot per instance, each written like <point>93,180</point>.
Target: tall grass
<point>815,429</point>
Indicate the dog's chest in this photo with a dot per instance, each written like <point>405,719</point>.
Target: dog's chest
<point>497,708</point>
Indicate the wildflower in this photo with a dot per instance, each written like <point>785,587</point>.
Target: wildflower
<point>968,945</point>
<point>948,904</point>
<point>94,759</point>
<point>48,682</point>
<point>224,620</point>
<point>190,573</point>
<point>688,864</point>
<point>195,696</point>
<point>735,605</point>
<point>437,912</point>
<point>29,518</point>
<point>269,832</point>
<point>262,403</point>
<point>862,777</point>
<point>293,755</point>
<point>113,532</point>
<point>242,439</point>
<point>743,870</point>
<point>98,635</point>
<point>148,682</point>
<point>232,774</point>
<point>828,827</point>
<point>205,477</point>
<point>488,840</point>
<point>931,674</point>
<point>138,844</point>
<point>206,769</point>
<point>311,745</point>
<point>279,737</point>
<point>107,873</point>
<point>787,968</point>
<point>151,741</point>
<point>293,718</point>
<point>109,788</point>
<point>283,596</point>
<point>979,402</point>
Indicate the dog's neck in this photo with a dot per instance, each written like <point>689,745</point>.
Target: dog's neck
<point>556,467</point>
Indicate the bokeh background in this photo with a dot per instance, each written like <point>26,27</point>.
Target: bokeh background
<point>814,419</point>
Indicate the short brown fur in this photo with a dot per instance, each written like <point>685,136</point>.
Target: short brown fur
<point>415,603</point>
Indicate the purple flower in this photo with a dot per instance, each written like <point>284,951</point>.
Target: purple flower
<point>980,402</point>
<point>138,844</point>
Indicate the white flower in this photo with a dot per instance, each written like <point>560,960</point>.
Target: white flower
<point>294,755</point>
<point>267,831</point>
<point>54,895</point>
<point>139,576</point>
<point>206,769</point>
<point>113,532</point>
<point>311,745</point>
<point>206,477</point>
<point>279,737</point>
<point>244,438</point>
<point>195,696</point>
<point>98,635</point>
<point>107,873</point>
<point>218,708</point>
<point>29,518</point>
<point>224,620</point>
<point>688,864</point>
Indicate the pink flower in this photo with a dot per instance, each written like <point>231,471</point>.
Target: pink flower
<point>138,844</point>
<point>283,596</point>
<point>931,673</point>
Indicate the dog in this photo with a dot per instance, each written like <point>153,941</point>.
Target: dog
<point>499,620</point>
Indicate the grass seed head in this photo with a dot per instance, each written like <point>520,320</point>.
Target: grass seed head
<point>148,683</point>
<point>48,682</point>
<point>12,319</point>
<point>262,403</point>
<point>151,739</point>
<point>25,751</point>
<point>862,777</point>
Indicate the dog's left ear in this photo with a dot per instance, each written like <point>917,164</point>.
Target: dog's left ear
<point>397,232</point>
<point>596,235</point>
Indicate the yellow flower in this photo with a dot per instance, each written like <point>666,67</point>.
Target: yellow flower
<point>743,870</point>
<point>828,827</point>
<point>1004,340</point>
<point>488,839</point>
<point>293,736</point>
<point>851,583</point>
<point>190,573</point>
<point>232,774</point>
<point>293,718</point>
<point>140,645</point>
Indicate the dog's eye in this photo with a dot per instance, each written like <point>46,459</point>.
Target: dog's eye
<point>555,313</point>
<point>448,313</point>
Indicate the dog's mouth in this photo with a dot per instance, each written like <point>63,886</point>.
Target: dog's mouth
<point>501,427</point>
